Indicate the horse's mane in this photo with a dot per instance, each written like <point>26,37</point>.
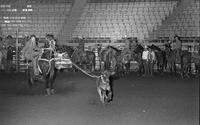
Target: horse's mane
<point>114,48</point>
<point>139,48</point>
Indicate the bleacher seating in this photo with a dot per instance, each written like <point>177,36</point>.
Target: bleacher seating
<point>120,19</point>
<point>113,19</point>
<point>33,17</point>
<point>186,23</point>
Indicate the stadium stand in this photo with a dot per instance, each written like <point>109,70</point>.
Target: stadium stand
<point>119,19</point>
<point>113,19</point>
<point>185,23</point>
<point>33,16</point>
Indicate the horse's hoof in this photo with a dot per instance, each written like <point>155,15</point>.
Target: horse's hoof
<point>188,76</point>
<point>52,91</point>
<point>48,92</point>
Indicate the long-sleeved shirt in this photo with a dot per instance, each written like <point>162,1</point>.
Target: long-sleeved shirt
<point>178,44</point>
<point>151,56</point>
<point>145,55</point>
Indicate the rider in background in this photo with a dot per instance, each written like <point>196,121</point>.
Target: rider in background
<point>169,44</point>
<point>177,47</point>
<point>31,51</point>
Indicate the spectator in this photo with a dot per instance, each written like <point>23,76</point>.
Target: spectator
<point>151,61</point>
<point>145,60</point>
<point>177,47</point>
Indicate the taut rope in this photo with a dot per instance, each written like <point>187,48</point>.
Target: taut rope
<point>83,71</point>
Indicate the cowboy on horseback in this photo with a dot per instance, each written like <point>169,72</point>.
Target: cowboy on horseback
<point>168,45</point>
<point>31,51</point>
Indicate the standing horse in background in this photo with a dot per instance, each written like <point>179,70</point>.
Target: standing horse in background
<point>110,58</point>
<point>3,58</point>
<point>86,59</point>
<point>184,64</point>
<point>126,57</point>
<point>46,65</point>
<point>170,59</point>
<point>137,57</point>
<point>65,48</point>
<point>186,58</point>
<point>196,61</point>
<point>3,52</point>
<point>160,58</point>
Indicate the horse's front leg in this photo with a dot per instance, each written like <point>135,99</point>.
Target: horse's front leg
<point>110,95</point>
<point>100,94</point>
<point>48,84</point>
<point>52,78</point>
<point>31,77</point>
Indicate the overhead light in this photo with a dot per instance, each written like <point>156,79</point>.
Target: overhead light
<point>30,10</point>
<point>24,9</point>
<point>29,6</point>
<point>14,10</point>
<point>7,21</point>
<point>5,17</point>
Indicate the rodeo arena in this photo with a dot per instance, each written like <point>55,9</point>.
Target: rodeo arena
<point>99,62</point>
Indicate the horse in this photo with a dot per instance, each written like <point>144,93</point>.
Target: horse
<point>111,59</point>
<point>3,58</point>
<point>84,58</point>
<point>63,48</point>
<point>170,59</point>
<point>184,64</point>
<point>137,57</point>
<point>196,61</point>
<point>160,58</point>
<point>46,65</point>
<point>126,55</point>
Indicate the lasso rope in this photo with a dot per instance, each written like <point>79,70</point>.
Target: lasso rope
<point>83,71</point>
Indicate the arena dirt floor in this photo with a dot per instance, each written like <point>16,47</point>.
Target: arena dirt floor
<point>160,100</point>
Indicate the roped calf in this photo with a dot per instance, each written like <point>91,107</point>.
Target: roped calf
<point>104,88</point>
